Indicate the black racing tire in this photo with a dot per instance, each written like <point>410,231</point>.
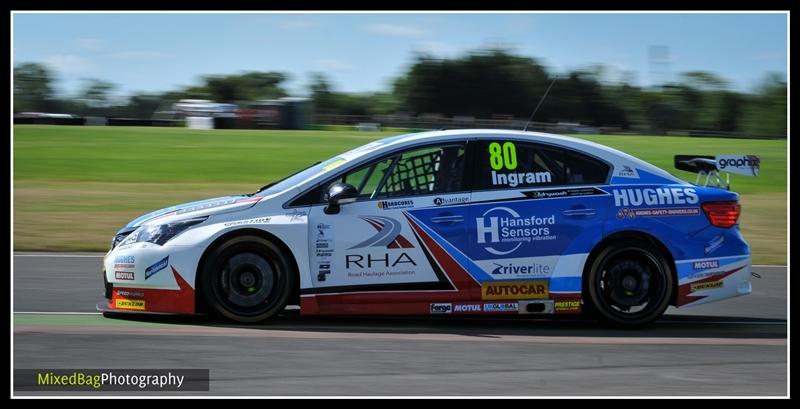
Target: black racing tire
<point>247,279</point>
<point>628,275</point>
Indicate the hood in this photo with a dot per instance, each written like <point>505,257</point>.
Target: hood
<point>206,207</point>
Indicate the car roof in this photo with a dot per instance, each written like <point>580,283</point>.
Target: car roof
<point>614,156</point>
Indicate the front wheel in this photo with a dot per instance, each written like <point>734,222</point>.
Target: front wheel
<point>247,279</point>
<point>629,283</point>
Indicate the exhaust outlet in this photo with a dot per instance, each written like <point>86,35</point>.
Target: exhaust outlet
<point>536,307</point>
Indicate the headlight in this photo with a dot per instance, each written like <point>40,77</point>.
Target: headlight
<point>160,233</point>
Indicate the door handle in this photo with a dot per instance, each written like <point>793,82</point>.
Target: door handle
<point>579,212</point>
<point>447,219</point>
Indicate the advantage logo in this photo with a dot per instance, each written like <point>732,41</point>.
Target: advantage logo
<point>158,266</point>
<point>444,201</point>
<point>126,304</point>
<point>441,308</point>
<point>388,234</point>
<point>520,290</point>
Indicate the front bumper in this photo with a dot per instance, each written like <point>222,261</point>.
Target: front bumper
<point>148,278</point>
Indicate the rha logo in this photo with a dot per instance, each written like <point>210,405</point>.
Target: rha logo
<point>702,265</point>
<point>158,266</point>
<point>441,308</point>
<point>659,196</point>
<point>506,227</point>
<point>388,234</point>
<point>386,261</point>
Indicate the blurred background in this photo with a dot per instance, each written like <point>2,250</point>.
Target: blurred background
<point>174,107</point>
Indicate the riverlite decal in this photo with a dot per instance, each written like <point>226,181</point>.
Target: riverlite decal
<point>747,165</point>
<point>445,201</point>
<point>501,307</point>
<point>655,196</point>
<point>524,270</point>
<point>506,230</point>
<point>514,179</point>
<point>158,266</point>
<point>706,286</point>
<point>521,290</point>
<point>441,308</point>
<point>125,304</point>
<point>123,275</point>
<point>395,204</point>
<point>702,265</point>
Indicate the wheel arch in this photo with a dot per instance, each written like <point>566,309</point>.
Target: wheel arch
<point>294,297</point>
<point>635,235</point>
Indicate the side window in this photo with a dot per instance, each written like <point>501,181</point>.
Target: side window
<point>429,170</point>
<point>365,178</point>
<point>514,164</point>
<point>421,171</point>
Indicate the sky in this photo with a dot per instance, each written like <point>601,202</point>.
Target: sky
<point>365,52</point>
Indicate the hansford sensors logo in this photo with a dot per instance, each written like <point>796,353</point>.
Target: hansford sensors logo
<point>506,230</point>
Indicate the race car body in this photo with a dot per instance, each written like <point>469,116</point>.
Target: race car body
<point>445,222</point>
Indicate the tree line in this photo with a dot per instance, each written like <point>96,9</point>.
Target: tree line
<point>491,83</point>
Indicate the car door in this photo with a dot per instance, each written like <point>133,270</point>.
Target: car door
<point>389,239</point>
<point>537,211</point>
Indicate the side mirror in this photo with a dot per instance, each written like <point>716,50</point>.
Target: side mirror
<point>339,194</point>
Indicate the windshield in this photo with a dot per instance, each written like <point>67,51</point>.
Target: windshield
<point>320,167</point>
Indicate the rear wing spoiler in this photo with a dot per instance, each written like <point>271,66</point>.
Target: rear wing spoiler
<point>711,166</point>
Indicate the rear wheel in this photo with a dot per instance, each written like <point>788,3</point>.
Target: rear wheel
<point>630,283</point>
<point>247,279</point>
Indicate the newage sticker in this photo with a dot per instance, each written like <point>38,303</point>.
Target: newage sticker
<point>156,267</point>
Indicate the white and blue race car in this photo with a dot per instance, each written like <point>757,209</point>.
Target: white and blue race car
<point>444,222</point>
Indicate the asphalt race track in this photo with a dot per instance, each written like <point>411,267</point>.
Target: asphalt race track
<point>734,347</point>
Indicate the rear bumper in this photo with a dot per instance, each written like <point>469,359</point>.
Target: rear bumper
<point>708,280</point>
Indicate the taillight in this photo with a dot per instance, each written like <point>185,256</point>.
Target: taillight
<point>722,214</point>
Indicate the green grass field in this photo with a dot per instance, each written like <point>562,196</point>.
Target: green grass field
<point>75,186</point>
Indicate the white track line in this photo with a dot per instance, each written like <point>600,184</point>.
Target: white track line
<point>61,255</point>
<point>56,313</point>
